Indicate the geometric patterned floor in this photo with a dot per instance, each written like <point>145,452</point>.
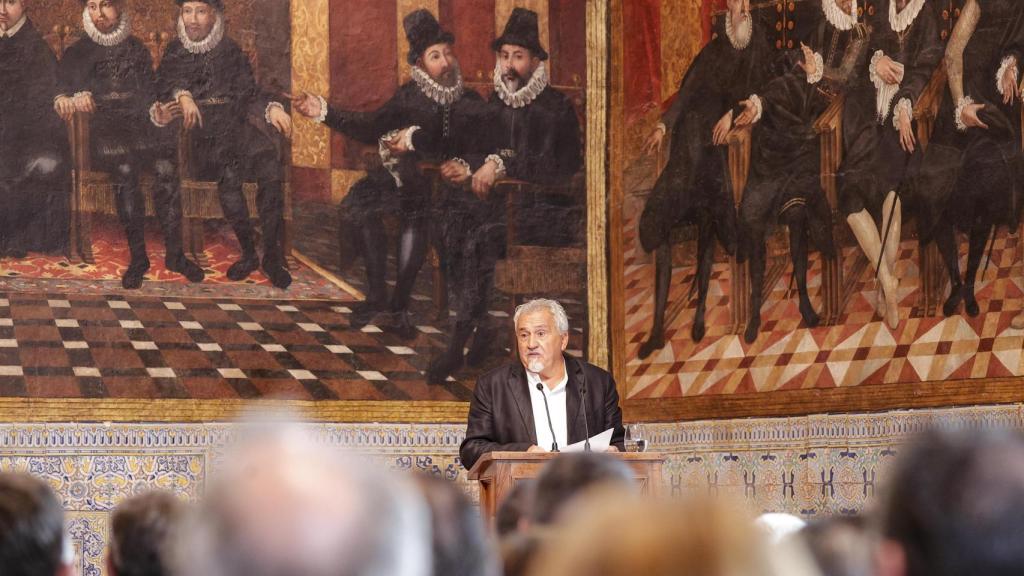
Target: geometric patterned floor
<point>69,346</point>
<point>859,350</point>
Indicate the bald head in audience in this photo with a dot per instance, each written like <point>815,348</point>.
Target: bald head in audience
<point>288,507</point>
<point>956,507</point>
<point>32,541</point>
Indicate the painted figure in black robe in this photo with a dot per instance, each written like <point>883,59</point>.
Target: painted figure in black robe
<point>210,78</point>
<point>431,118</point>
<point>785,169</point>
<point>694,187</point>
<point>35,181</point>
<point>109,74</point>
<point>534,136</point>
<point>971,178</point>
<point>879,135</point>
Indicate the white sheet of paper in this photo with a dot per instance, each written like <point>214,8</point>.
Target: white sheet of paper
<point>599,443</point>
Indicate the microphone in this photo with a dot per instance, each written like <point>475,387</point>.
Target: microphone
<point>583,405</point>
<point>554,441</point>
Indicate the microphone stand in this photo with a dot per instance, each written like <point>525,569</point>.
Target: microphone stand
<point>554,441</point>
<point>583,405</point>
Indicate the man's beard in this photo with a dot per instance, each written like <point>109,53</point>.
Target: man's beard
<point>536,366</point>
<point>513,81</point>
<point>196,33</point>
<point>451,77</point>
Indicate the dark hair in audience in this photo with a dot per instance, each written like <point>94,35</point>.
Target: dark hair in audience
<point>520,549</point>
<point>31,527</point>
<point>840,545</point>
<point>142,531</point>
<point>956,504</point>
<point>459,538</point>
<point>514,508</point>
<point>569,475</point>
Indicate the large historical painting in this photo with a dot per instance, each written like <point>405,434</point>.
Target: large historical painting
<point>282,201</point>
<point>815,205</point>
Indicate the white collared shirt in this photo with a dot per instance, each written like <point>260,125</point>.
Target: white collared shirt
<point>556,403</point>
<point>10,32</point>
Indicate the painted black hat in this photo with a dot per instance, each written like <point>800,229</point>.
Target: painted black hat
<point>216,4</point>
<point>423,31</point>
<point>522,30</point>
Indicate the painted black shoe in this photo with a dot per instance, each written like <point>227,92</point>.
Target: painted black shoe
<point>443,366</point>
<point>186,268</point>
<point>480,349</point>
<point>277,273</point>
<point>241,269</point>
<point>135,274</point>
<point>363,313</point>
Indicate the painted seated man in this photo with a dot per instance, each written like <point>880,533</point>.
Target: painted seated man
<point>880,146</point>
<point>430,118</point>
<point>109,74</point>
<point>534,135</point>
<point>211,80</point>
<point>693,187</point>
<point>35,181</point>
<point>785,172</point>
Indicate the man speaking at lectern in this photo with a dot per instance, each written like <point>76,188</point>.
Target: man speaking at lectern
<point>533,405</point>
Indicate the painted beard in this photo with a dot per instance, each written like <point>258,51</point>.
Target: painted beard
<point>451,77</point>
<point>512,80</point>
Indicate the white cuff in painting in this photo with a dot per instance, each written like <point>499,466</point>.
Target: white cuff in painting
<point>661,126</point>
<point>1010,62</point>
<point>497,162</point>
<point>83,93</point>
<point>407,139</point>
<point>758,108</point>
<point>152,116</point>
<point>905,106</point>
<point>819,69</point>
<point>323,110</point>
<point>964,102</point>
<point>266,113</point>
<point>179,93</point>
<point>464,164</point>
<point>873,69</point>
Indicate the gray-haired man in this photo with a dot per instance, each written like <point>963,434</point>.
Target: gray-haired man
<point>508,411</point>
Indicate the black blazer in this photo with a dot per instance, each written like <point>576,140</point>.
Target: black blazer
<point>501,413</point>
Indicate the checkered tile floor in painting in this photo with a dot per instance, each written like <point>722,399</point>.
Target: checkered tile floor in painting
<point>67,346</point>
<point>859,350</point>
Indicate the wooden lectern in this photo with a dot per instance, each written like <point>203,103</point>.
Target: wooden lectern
<point>498,473</point>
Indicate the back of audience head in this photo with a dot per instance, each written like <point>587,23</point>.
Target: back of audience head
<point>143,531</point>
<point>613,533</point>
<point>840,545</point>
<point>956,506</point>
<point>513,513</point>
<point>287,506</point>
<point>570,475</point>
<point>461,546</point>
<point>32,540</point>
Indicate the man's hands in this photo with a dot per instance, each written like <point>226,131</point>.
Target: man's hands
<point>888,70</point>
<point>654,142</point>
<point>746,118</point>
<point>65,107</point>
<point>281,120</point>
<point>190,111</point>
<point>484,179</point>
<point>455,173</point>
<point>722,127</point>
<point>306,104</point>
<point>969,116</point>
<point>810,65</point>
<point>164,114</point>
<point>1008,83</point>
<point>907,138</point>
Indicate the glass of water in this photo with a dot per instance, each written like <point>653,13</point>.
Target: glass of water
<point>636,441</point>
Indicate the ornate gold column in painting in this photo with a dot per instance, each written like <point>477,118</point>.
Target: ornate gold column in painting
<point>681,40</point>
<point>342,181</point>
<point>405,7</point>
<point>597,184</point>
<point>310,71</point>
<point>503,9</point>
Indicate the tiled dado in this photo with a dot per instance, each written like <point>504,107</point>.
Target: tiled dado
<point>815,465</point>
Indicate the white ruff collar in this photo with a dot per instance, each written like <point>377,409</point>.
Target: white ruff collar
<point>119,34</point>
<point>837,17</point>
<point>740,38</point>
<point>443,95</point>
<point>525,95</point>
<point>902,20</point>
<point>206,44</point>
